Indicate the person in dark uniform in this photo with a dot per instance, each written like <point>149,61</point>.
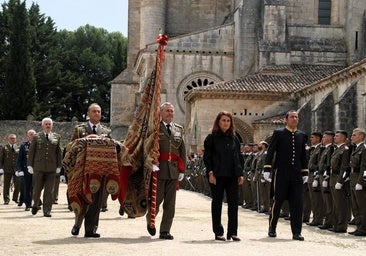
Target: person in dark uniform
<point>172,162</point>
<point>247,190</point>
<point>324,172</point>
<point>23,170</point>
<point>339,182</point>
<point>313,182</point>
<point>358,192</point>
<point>224,170</point>
<point>8,158</point>
<point>290,171</point>
<point>91,212</point>
<point>44,162</point>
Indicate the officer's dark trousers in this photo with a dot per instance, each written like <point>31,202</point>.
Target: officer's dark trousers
<point>288,184</point>
<point>230,186</point>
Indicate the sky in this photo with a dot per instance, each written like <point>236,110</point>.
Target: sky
<point>71,14</point>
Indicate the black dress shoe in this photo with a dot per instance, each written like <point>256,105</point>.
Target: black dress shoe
<point>70,208</point>
<point>121,211</point>
<point>337,230</point>
<point>152,231</point>
<point>15,201</point>
<point>220,238</point>
<point>313,224</point>
<point>34,210</point>
<point>233,237</point>
<point>272,232</point>
<point>75,230</point>
<point>6,202</point>
<point>47,214</point>
<point>27,209</point>
<point>166,235</point>
<point>359,233</point>
<point>20,203</point>
<point>325,226</point>
<point>91,234</point>
<point>298,237</point>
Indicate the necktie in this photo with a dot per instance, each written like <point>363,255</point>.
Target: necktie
<point>12,147</point>
<point>94,129</point>
<point>46,136</point>
<point>168,128</point>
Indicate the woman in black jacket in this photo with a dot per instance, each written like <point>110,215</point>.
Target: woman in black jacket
<point>225,173</point>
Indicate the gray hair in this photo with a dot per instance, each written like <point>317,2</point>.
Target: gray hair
<point>162,106</point>
<point>46,119</point>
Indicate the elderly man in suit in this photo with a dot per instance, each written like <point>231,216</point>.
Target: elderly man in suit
<point>8,157</point>
<point>44,161</point>
<point>91,212</point>
<point>171,169</point>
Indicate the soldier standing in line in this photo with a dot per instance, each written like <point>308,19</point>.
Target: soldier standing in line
<point>254,179</point>
<point>358,195</point>
<point>324,172</point>
<point>8,158</point>
<point>339,174</point>
<point>313,182</point>
<point>44,162</point>
<point>264,185</point>
<point>247,190</point>
<point>288,149</point>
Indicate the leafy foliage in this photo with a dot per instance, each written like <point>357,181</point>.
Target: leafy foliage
<point>53,73</point>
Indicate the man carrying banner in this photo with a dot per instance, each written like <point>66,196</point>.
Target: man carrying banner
<point>171,169</point>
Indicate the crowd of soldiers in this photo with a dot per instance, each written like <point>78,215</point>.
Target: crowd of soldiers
<point>334,191</point>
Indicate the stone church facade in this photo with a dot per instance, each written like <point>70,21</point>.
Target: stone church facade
<point>254,58</point>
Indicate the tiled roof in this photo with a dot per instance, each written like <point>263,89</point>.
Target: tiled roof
<point>276,79</point>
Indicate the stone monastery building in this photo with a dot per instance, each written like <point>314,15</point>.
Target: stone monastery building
<point>254,58</point>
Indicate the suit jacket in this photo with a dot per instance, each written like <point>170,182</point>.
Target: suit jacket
<point>339,163</point>
<point>22,157</point>
<point>8,158</point>
<point>45,155</point>
<point>358,164</point>
<point>288,149</point>
<point>84,129</point>
<point>173,144</point>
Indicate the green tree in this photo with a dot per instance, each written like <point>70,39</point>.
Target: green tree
<point>18,92</point>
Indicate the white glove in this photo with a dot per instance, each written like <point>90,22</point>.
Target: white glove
<point>1,171</point>
<point>263,180</point>
<point>358,186</point>
<point>338,185</point>
<point>269,180</point>
<point>58,170</point>
<point>266,175</point>
<point>63,179</point>
<point>181,176</point>
<point>315,184</point>
<point>324,184</point>
<point>20,174</point>
<point>155,168</point>
<point>17,173</point>
<point>305,179</point>
<point>30,169</point>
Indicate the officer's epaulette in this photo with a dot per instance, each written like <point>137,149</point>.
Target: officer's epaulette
<point>179,126</point>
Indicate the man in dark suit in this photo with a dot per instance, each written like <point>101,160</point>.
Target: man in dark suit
<point>290,171</point>
<point>8,157</point>
<point>22,170</point>
<point>170,170</point>
<point>91,212</point>
<point>44,161</point>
